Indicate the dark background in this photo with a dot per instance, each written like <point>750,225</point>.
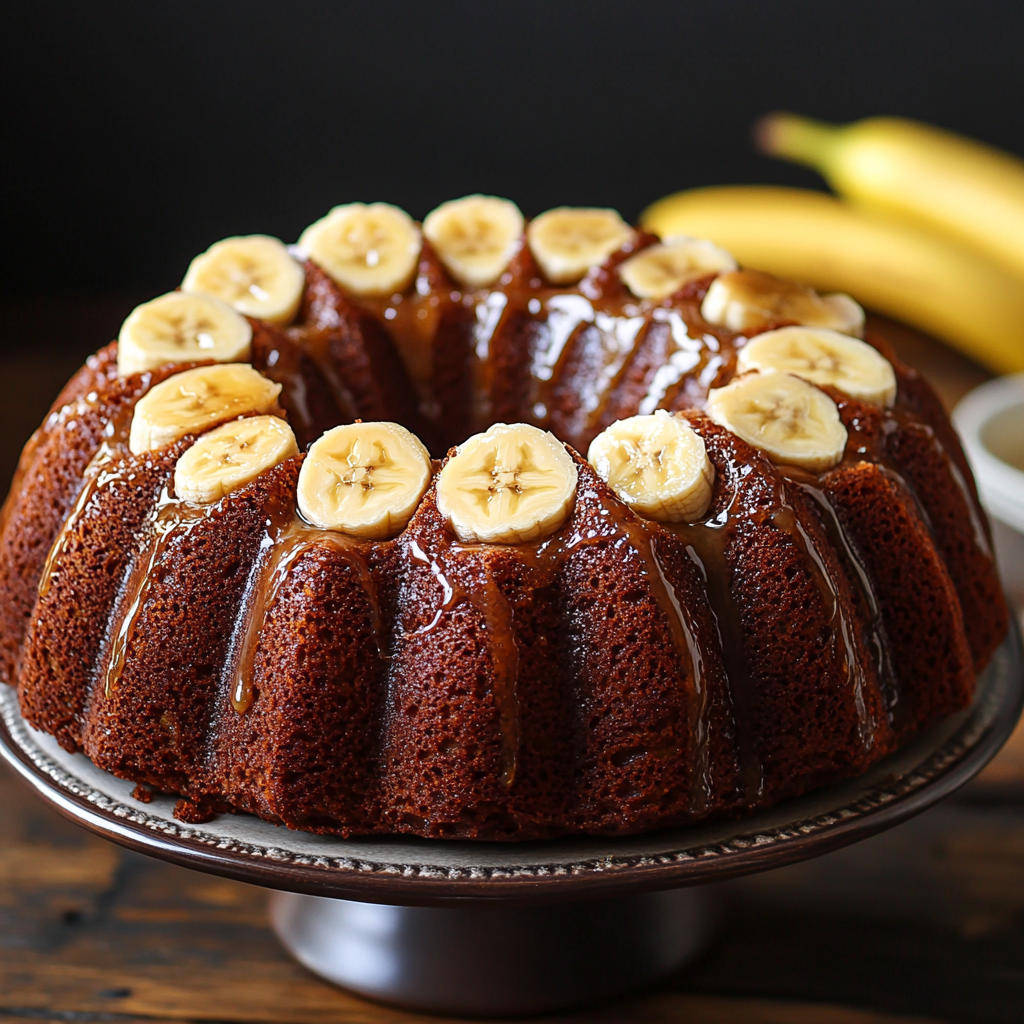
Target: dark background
<point>138,133</point>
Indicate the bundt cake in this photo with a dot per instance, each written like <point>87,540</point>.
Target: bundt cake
<point>695,543</point>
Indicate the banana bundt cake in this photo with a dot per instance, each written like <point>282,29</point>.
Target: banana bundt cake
<point>694,543</point>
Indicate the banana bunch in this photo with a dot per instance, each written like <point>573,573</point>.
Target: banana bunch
<point>915,172</point>
<point>932,233</point>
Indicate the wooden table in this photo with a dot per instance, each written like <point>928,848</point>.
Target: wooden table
<point>923,923</point>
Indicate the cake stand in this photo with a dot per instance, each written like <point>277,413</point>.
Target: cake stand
<point>513,928</point>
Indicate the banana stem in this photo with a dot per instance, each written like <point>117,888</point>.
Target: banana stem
<point>800,139</point>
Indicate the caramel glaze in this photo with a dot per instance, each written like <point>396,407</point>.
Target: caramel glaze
<point>575,359</point>
<point>170,634</point>
<point>86,571</point>
<point>168,519</point>
<point>677,748</point>
<point>462,677</point>
<point>784,581</point>
<point>484,648</point>
<point>286,540</point>
<point>299,732</point>
<point>432,326</point>
<point>920,444</point>
<point>493,691</point>
<point>883,495</point>
<point>867,602</point>
<point>50,477</point>
<point>568,359</point>
<point>308,395</point>
<point>355,354</point>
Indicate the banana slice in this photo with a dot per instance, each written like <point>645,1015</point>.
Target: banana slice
<point>511,484</point>
<point>657,465</point>
<point>791,421</point>
<point>231,456</point>
<point>566,242</point>
<point>475,237</point>
<point>365,479</point>
<point>181,328</point>
<point>747,299</point>
<point>660,270</point>
<point>194,400</point>
<point>368,249</point>
<point>822,356</point>
<point>254,273</point>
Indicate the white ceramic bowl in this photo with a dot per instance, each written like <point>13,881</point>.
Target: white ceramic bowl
<point>990,421</point>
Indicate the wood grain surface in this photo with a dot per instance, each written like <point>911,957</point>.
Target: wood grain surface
<point>924,923</point>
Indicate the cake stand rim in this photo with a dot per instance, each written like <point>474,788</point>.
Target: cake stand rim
<point>988,724</point>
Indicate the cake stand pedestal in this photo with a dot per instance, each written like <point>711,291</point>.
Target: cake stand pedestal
<point>503,928</point>
<point>492,958</point>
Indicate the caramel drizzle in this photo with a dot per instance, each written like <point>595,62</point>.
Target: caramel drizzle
<point>700,789</point>
<point>286,539</point>
<point>980,537</point>
<point>785,519</point>
<point>490,312</point>
<point>706,545</point>
<point>870,450</point>
<point>284,365</point>
<point>169,517</point>
<point>618,337</point>
<point>564,316</point>
<point>498,615</point>
<point>865,590</point>
<point>897,419</point>
<point>97,476</point>
<point>685,357</point>
<point>412,320</point>
<point>641,539</point>
<point>503,649</point>
<point>545,559</point>
<point>317,345</point>
<point>450,598</point>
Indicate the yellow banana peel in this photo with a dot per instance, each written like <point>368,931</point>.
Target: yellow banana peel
<point>891,165</point>
<point>908,273</point>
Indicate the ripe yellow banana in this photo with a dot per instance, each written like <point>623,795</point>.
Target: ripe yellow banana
<point>969,190</point>
<point>908,273</point>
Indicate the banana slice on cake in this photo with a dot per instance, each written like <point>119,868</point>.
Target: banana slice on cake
<point>369,249</point>
<point>791,421</point>
<point>822,356</point>
<point>511,484</point>
<point>231,456</point>
<point>194,400</point>
<point>659,270</point>
<point>657,465</point>
<point>365,479</point>
<point>566,242</point>
<point>253,273</point>
<point>181,328</point>
<point>748,299</point>
<point>475,237</point>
